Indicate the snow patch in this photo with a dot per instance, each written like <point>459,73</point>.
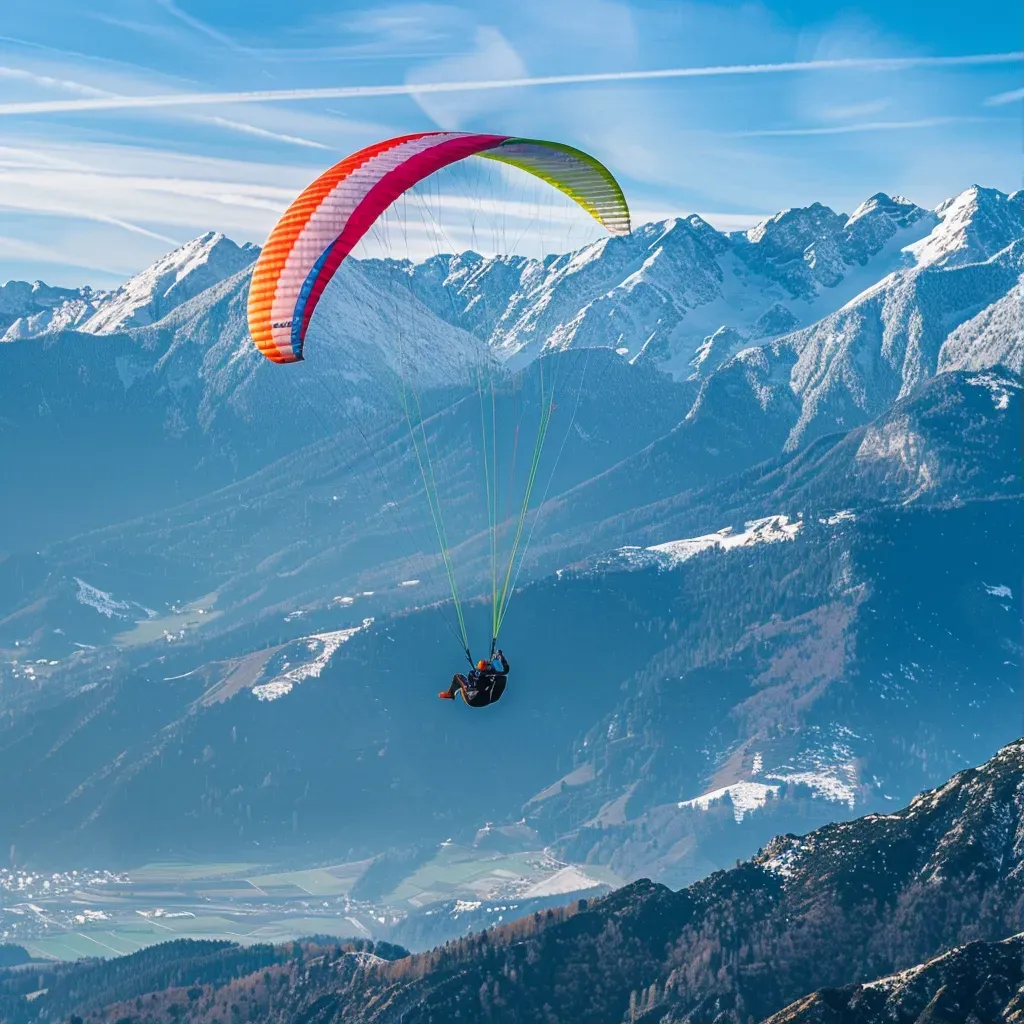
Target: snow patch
<point>568,879</point>
<point>897,980</point>
<point>835,782</point>
<point>757,531</point>
<point>90,915</point>
<point>322,647</point>
<point>104,603</point>
<point>846,516</point>
<point>745,797</point>
<point>785,862</point>
<point>997,386</point>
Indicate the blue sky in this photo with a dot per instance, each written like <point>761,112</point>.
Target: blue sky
<point>129,126</point>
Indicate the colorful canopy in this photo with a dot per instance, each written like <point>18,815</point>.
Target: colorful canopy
<point>326,221</point>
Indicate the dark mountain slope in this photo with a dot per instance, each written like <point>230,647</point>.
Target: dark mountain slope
<point>876,662</point>
<point>980,983</point>
<point>322,521</point>
<point>921,900</point>
<point>652,684</point>
<point>955,438</point>
<point>847,902</point>
<point>170,976</point>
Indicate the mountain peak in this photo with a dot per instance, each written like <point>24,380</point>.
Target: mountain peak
<point>788,226</point>
<point>898,209</point>
<point>973,226</point>
<point>183,273</point>
<point>28,309</point>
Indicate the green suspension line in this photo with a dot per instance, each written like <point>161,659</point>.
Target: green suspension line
<point>547,402</point>
<point>430,486</point>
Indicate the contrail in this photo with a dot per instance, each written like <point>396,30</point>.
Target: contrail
<point>1005,97</point>
<point>862,126</point>
<point>423,88</point>
<point>200,26</point>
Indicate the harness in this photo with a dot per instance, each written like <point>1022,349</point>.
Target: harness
<point>489,684</point>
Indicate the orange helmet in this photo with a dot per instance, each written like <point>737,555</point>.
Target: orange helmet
<point>481,665</point>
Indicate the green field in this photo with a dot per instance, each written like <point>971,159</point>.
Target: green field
<point>460,873</point>
<point>246,903</point>
<point>179,872</point>
<point>332,881</point>
<point>121,938</point>
<point>192,615</point>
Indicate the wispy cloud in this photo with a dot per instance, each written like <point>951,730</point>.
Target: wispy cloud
<point>1005,97</point>
<point>82,89</point>
<point>90,58</point>
<point>493,55</point>
<point>23,250</point>
<point>879,64</point>
<point>119,222</point>
<point>856,110</point>
<point>148,192</point>
<point>262,133</point>
<point>86,213</point>
<point>863,126</point>
<point>200,26</point>
<point>18,156</point>
<point>49,82</point>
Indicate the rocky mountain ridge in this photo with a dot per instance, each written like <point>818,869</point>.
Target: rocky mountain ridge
<point>849,902</point>
<point>911,916</point>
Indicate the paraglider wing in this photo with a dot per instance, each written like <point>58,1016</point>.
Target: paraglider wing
<point>328,219</point>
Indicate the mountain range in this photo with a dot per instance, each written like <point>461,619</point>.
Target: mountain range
<point>847,903</point>
<point>773,579</point>
<point>910,916</point>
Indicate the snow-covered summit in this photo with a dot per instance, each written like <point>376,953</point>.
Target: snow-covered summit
<point>664,292</point>
<point>28,309</point>
<point>973,227</point>
<point>897,208</point>
<point>172,280</point>
<point>676,294</point>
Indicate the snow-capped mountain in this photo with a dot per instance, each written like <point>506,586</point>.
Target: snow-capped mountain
<point>172,280</point>
<point>884,344</point>
<point>361,345</point>
<point>677,292</point>
<point>27,310</point>
<point>180,275</point>
<point>973,226</point>
<point>847,312</point>
<point>809,324</point>
<point>951,304</point>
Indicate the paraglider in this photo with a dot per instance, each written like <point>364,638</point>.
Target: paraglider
<point>323,226</point>
<point>482,685</point>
